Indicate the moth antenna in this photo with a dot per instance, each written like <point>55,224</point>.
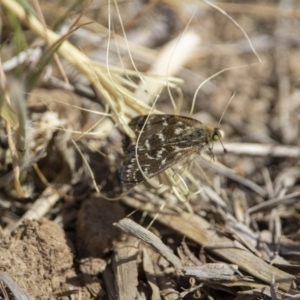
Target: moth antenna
<point>231,98</point>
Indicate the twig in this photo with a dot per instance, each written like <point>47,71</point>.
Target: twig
<point>270,204</point>
<point>254,149</point>
<point>229,174</point>
<point>284,85</point>
<point>40,207</point>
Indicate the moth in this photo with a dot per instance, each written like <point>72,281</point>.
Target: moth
<point>164,140</point>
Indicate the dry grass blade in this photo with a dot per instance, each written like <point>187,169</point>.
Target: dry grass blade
<point>200,231</point>
<point>239,179</point>
<point>14,288</point>
<point>107,88</point>
<point>125,270</point>
<point>260,150</point>
<point>165,67</point>
<point>146,236</point>
<point>273,203</point>
<point>269,11</point>
<point>149,269</point>
<point>6,112</point>
<point>215,271</point>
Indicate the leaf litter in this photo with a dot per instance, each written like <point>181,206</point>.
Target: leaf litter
<point>222,228</point>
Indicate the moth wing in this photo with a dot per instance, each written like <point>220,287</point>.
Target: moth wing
<point>137,123</point>
<point>149,124</point>
<point>164,141</point>
<point>131,175</point>
<point>179,137</point>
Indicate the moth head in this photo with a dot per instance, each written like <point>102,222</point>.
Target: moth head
<point>217,135</point>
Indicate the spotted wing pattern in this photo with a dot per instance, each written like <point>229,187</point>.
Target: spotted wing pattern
<point>164,141</point>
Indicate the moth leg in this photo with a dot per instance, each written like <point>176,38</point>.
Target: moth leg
<point>211,153</point>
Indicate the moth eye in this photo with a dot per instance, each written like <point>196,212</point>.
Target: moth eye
<point>216,137</point>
